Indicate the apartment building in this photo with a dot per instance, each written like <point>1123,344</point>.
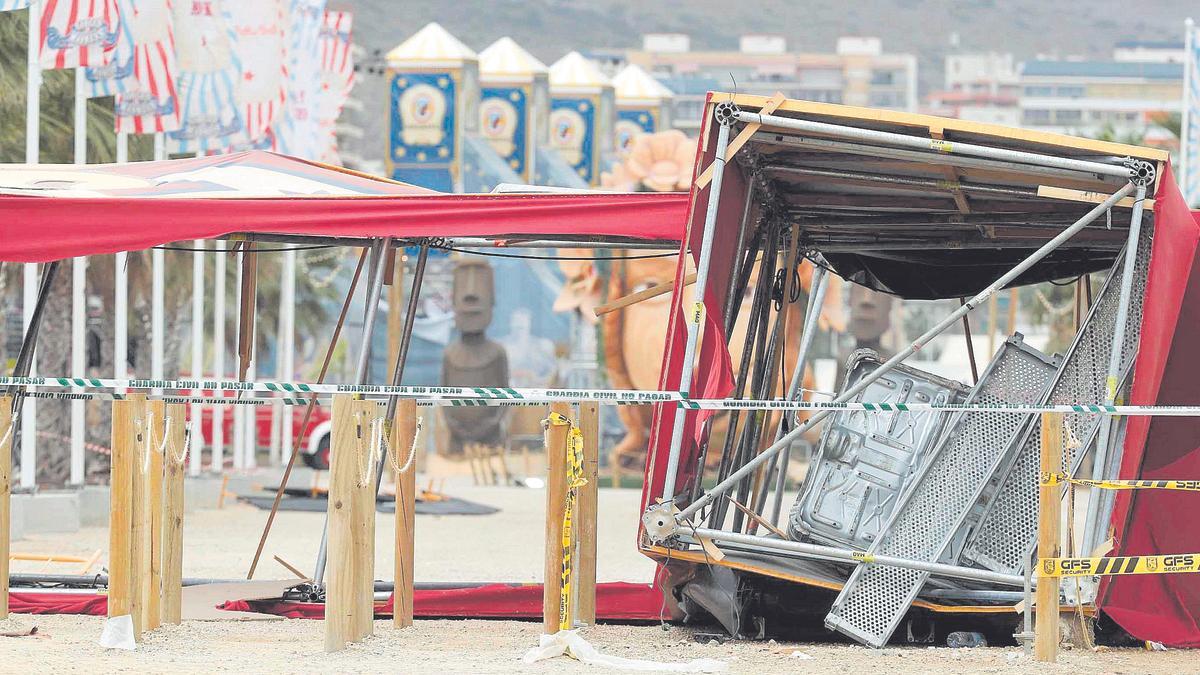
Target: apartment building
<point>858,72</point>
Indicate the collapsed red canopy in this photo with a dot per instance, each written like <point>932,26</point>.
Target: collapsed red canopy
<point>1163,607</point>
<point>53,212</point>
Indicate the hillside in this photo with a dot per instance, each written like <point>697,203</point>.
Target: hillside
<point>549,28</point>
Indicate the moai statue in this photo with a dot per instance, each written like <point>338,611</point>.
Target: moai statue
<point>472,360</point>
<point>870,319</point>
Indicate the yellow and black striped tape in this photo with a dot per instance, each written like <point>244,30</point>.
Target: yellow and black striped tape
<point>1059,478</point>
<point>575,480</point>
<point>1176,563</point>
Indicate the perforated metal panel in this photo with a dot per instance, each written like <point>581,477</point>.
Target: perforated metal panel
<point>930,511</point>
<point>1007,530</point>
<point>866,459</point>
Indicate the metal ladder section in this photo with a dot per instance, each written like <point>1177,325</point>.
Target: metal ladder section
<point>929,513</point>
<point>1007,529</point>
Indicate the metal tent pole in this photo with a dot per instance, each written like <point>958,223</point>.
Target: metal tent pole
<point>218,344</point>
<point>79,296</point>
<point>695,316</point>
<point>410,315</point>
<point>1097,517</point>
<point>197,348</point>
<point>816,300</point>
<point>891,363</point>
<point>34,309</point>
<point>847,555</point>
<point>360,373</point>
<point>938,145</point>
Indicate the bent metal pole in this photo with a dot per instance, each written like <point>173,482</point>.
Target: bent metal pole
<point>891,363</point>
<point>695,317</point>
<point>1097,514</point>
<point>360,374</point>
<point>846,555</point>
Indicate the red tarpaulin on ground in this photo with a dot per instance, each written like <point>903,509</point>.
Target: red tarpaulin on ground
<point>617,601</point>
<point>1163,607</point>
<point>50,212</point>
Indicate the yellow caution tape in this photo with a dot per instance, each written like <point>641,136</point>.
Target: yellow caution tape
<point>575,480</point>
<point>1050,479</point>
<point>1136,564</point>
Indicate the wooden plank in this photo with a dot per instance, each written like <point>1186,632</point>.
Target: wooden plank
<point>1046,631</point>
<point>156,413</point>
<point>742,138</point>
<point>7,431</point>
<point>589,424</point>
<point>634,298</point>
<point>172,519</point>
<point>139,532</point>
<point>364,521</point>
<point>120,514</point>
<point>404,431</point>
<point>905,119</point>
<point>556,492</point>
<point>1089,197</point>
<point>339,576</point>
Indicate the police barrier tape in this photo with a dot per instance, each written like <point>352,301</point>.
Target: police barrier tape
<point>492,396</point>
<point>1177,563</point>
<point>1050,479</point>
<point>575,480</point>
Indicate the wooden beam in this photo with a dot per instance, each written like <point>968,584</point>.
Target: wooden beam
<point>124,550</point>
<point>960,200</point>
<point>1046,631</point>
<point>349,595</point>
<point>634,298</point>
<point>7,431</point>
<point>172,518</point>
<point>156,412</point>
<point>404,431</point>
<point>741,139</point>
<point>556,492</point>
<point>589,424</point>
<point>1089,197</point>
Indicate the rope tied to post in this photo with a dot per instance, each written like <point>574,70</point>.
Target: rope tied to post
<point>575,480</point>
<point>12,425</point>
<point>148,440</point>
<point>373,446</point>
<point>412,450</point>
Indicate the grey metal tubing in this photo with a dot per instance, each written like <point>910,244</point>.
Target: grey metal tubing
<point>816,299</point>
<point>694,321</point>
<point>934,145</point>
<point>874,151</point>
<point>847,555</point>
<point>402,357</point>
<point>906,182</point>
<point>891,363</point>
<point>360,377</point>
<point>1008,597</point>
<point>1100,464</point>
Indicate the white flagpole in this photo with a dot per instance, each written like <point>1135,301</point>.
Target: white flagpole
<point>287,330</point>
<point>218,417</point>
<point>157,288</point>
<point>1189,73</point>
<point>33,86</point>
<point>197,348</point>
<point>78,295</point>
<point>121,289</point>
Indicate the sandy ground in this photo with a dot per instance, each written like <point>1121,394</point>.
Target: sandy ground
<point>506,546</point>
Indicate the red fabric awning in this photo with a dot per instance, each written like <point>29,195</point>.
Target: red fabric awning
<point>55,212</point>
